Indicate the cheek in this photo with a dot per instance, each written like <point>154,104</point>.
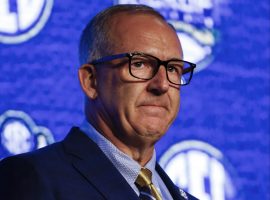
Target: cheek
<point>125,115</point>
<point>125,95</point>
<point>176,102</point>
<point>175,106</point>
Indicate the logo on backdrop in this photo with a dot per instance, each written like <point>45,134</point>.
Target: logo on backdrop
<point>21,20</point>
<point>201,169</point>
<point>194,21</point>
<point>20,134</point>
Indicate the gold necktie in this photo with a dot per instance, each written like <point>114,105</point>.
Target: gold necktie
<point>144,179</point>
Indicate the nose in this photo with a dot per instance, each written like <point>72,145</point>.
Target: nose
<point>159,84</point>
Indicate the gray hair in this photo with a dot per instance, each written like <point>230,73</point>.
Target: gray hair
<point>95,40</point>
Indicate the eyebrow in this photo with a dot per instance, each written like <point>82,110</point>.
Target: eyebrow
<point>175,58</point>
<point>151,54</point>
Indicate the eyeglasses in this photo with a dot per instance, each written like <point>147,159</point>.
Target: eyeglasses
<point>145,67</point>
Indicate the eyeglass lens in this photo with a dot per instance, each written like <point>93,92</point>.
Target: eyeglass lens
<point>145,67</point>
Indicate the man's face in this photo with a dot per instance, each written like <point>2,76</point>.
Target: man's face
<point>138,111</point>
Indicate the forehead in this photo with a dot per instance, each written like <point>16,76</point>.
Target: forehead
<point>146,33</point>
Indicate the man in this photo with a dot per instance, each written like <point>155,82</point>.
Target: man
<point>131,80</point>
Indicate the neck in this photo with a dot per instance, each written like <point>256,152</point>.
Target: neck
<point>140,154</point>
<point>137,148</point>
<point>140,149</point>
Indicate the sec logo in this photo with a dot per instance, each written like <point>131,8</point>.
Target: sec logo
<point>200,169</point>
<point>20,134</point>
<point>21,20</point>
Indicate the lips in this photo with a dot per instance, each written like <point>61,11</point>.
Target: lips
<point>155,104</point>
<point>152,111</point>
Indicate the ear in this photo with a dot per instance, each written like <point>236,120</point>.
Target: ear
<point>87,77</point>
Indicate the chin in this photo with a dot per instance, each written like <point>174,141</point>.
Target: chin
<point>153,128</point>
<point>154,133</point>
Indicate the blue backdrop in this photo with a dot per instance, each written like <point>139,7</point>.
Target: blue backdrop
<point>222,132</point>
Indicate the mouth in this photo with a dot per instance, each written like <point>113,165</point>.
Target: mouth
<point>154,106</point>
<point>153,110</point>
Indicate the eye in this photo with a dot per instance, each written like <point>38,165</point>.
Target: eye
<point>172,69</point>
<point>143,63</point>
<point>138,64</point>
<point>176,68</point>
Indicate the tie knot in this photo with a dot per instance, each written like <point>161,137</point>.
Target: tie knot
<point>144,178</point>
<point>145,185</point>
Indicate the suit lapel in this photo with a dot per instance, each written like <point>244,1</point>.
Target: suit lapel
<point>93,164</point>
<point>177,194</point>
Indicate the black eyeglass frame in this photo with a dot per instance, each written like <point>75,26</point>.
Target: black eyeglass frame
<point>159,62</point>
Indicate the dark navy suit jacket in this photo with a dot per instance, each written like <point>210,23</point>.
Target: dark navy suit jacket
<point>74,169</point>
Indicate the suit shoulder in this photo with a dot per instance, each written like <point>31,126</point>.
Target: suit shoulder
<point>32,158</point>
<point>27,174</point>
<point>26,166</point>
